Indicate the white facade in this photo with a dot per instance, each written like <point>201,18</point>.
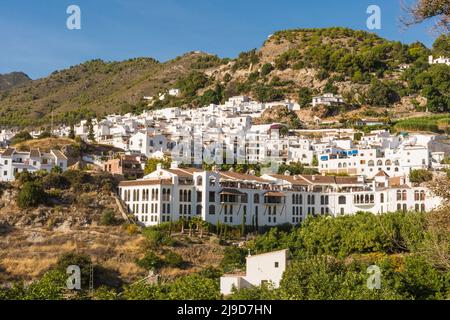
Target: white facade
<point>271,200</point>
<point>327,99</point>
<point>267,268</point>
<point>13,162</point>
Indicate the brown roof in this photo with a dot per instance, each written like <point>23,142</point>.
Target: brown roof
<point>180,173</point>
<point>232,192</point>
<point>274,194</point>
<point>8,152</point>
<point>137,183</point>
<point>35,153</point>
<point>59,154</point>
<point>294,180</point>
<point>330,179</point>
<point>241,177</point>
<point>382,173</point>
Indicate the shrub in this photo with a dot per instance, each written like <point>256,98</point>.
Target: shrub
<point>108,218</point>
<point>75,259</point>
<point>173,259</point>
<point>233,258</point>
<point>150,262</point>
<point>420,176</point>
<point>266,69</point>
<point>31,195</point>
<point>21,137</point>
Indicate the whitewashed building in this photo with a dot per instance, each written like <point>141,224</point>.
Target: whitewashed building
<point>267,268</point>
<point>328,99</point>
<point>270,200</point>
<point>13,162</point>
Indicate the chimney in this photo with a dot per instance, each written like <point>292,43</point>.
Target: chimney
<point>174,165</point>
<point>159,167</point>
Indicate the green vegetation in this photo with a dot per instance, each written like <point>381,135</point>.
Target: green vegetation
<point>420,176</point>
<point>108,218</point>
<point>31,195</point>
<point>295,168</point>
<point>21,137</point>
<point>381,94</point>
<point>435,123</point>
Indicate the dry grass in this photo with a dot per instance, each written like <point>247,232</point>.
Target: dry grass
<point>44,144</point>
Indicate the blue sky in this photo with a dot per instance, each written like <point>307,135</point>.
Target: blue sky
<point>35,40</point>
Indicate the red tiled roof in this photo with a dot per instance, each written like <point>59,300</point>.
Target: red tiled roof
<point>241,177</point>
<point>137,183</point>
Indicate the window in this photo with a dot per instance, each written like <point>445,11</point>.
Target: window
<point>277,264</point>
<point>212,196</point>
<point>212,210</point>
<point>342,200</point>
<point>382,198</point>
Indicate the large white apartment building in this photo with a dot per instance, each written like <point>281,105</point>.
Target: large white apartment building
<point>13,162</point>
<point>232,198</point>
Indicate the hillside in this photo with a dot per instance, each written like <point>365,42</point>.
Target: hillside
<point>10,80</point>
<point>292,64</point>
<point>94,87</point>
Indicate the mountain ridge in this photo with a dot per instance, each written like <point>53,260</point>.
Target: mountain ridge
<point>291,64</point>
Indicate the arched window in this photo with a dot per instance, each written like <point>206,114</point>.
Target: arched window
<point>199,209</point>
<point>379,163</point>
<point>256,198</point>
<point>342,200</point>
<point>422,195</point>
<point>371,163</point>
<point>199,181</point>
<point>399,195</point>
<point>404,195</point>
<point>388,163</point>
<point>416,196</point>
<point>212,181</point>
<point>397,163</point>
<point>340,165</point>
<point>345,165</point>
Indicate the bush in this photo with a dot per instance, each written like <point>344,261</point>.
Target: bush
<point>75,259</point>
<point>31,195</point>
<point>266,69</point>
<point>233,258</point>
<point>150,262</point>
<point>21,137</point>
<point>172,259</point>
<point>420,176</point>
<point>108,218</point>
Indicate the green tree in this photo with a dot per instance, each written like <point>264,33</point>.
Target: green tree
<point>31,195</point>
<point>304,97</point>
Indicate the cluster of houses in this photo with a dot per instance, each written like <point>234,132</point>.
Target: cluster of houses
<point>371,174</point>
